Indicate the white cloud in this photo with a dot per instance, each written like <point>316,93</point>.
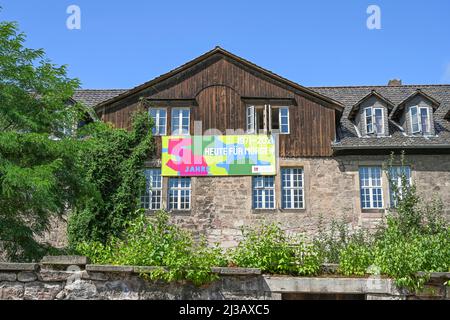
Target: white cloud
<point>446,75</point>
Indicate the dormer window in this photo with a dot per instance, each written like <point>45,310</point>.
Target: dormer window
<point>374,120</point>
<point>420,120</point>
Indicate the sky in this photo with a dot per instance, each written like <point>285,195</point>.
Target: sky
<point>122,44</point>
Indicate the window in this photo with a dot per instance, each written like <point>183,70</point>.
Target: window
<point>267,118</point>
<point>180,193</point>
<point>159,117</point>
<point>250,119</point>
<point>420,120</point>
<point>181,121</point>
<point>264,192</point>
<point>371,190</point>
<point>374,120</point>
<point>151,198</point>
<point>399,179</point>
<point>292,188</point>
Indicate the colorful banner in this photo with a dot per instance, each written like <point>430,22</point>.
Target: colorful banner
<point>243,155</point>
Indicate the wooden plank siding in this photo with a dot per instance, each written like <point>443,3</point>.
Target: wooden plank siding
<point>219,86</point>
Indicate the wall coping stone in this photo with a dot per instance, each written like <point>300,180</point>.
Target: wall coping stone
<point>236,271</point>
<point>288,284</point>
<point>435,275</point>
<point>65,260</point>
<point>109,268</point>
<point>19,266</point>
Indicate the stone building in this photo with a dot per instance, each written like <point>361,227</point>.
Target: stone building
<point>331,143</point>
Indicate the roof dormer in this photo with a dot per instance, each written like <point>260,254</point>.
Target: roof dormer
<point>370,115</point>
<point>415,114</point>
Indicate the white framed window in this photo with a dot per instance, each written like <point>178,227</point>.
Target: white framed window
<point>250,119</point>
<point>371,187</point>
<point>284,120</point>
<point>181,119</point>
<point>151,197</point>
<point>399,180</point>
<point>267,118</point>
<point>420,120</point>
<point>292,188</point>
<point>374,120</point>
<point>179,193</point>
<point>264,192</point>
<point>159,116</point>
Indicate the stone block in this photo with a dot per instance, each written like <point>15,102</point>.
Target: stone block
<point>19,266</point>
<point>109,268</point>
<point>41,291</point>
<point>11,291</point>
<point>8,276</point>
<point>26,276</point>
<point>65,260</point>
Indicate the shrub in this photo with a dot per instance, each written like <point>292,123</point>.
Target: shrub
<point>330,243</point>
<point>355,259</point>
<point>156,242</point>
<point>271,250</point>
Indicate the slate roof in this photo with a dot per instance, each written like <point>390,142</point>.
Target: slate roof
<point>349,96</point>
<point>92,97</point>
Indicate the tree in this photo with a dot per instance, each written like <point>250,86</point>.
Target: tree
<point>39,176</point>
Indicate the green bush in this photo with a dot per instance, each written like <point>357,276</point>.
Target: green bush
<point>271,250</point>
<point>355,259</point>
<point>330,243</point>
<point>403,256</point>
<point>156,242</point>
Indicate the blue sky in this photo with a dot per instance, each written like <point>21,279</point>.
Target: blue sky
<point>315,43</point>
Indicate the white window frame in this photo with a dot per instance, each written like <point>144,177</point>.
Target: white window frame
<point>265,191</point>
<point>251,119</point>
<point>374,120</point>
<point>397,180</point>
<point>419,119</point>
<point>288,120</point>
<point>149,189</point>
<point>179,188</point>
<point>292,189</point>
<point>371,187</point>
<point>180,121</point>
<point>156,121</point>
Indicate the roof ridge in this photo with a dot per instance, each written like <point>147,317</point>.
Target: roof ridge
<point>100,89</point>
<point>380,86</point>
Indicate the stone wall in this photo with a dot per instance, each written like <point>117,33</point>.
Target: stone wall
<point>72,278</point>
<point>222,205</point>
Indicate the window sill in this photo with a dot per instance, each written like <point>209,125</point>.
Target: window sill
<point>373,210</point>
<point>264,211</point>
<point>301,210</point>
<point>180,212</point>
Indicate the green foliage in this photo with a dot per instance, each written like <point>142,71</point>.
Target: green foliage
<point>156,242</point>
<point>355,259</point>
<point>415,238</point>
<point>330,243</point>
<point>39,175</point>
<point>271,250</point>
<point>112,160</point>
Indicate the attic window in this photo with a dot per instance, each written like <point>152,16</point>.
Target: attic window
<point>420,120</point>
<point>267,119</point>
<point>374,120</point>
